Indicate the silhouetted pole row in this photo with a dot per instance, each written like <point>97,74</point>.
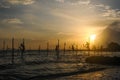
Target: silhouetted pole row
<point>73,47</point>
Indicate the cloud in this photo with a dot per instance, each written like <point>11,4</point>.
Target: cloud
<point>111,13</point>
<point>79,2</point>
<point>75,2</point>
<point>12,21</point>
<point>4,6</point>
<point>105,9</point>
<point>64,16</point>
<point>21,2</point>
<point>61,1</point>
<point>9,3</point>
<point>102,6</point>
<point>115,25</point>
<point>108,12</point>
<point>84,2</point>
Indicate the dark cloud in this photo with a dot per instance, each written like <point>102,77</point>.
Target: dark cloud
<point>112,3</point>
<point>115,25</point>
<point>14,8</point>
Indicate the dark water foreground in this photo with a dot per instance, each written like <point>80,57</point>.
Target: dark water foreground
<point>68,66</point>
<point>52,76</point>
<point>37,70</point>
<point>105,60</point>
<point>10,72</point>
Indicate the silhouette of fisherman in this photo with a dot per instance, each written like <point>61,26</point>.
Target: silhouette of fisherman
<point>73,48</point>
<point>87,45</point>
<point>22,50</point>
<point>57,50</point>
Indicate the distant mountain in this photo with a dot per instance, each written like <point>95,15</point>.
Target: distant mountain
<point>110,34</point>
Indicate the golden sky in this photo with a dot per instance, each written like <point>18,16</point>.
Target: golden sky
<point>48,20</point>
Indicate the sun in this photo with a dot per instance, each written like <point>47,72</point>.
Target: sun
<point>92,37</point>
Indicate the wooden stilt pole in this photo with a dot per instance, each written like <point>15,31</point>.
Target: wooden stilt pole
<point>12,50</point>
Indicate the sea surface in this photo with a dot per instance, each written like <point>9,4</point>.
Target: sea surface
<point>69,65</point>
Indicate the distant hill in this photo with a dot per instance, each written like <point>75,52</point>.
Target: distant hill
<point>110,34</point>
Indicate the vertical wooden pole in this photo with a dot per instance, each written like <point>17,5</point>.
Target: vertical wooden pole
<point>3,51</point>
<point>23,50</point>
<point>22,46</point>
<point>47,48</point>
<point>64,47</point>
<point>7,49</point>
<point>3,45</point>
<point>12,50</point>
<point>39,48</point>
<point>23,42</point>
<point>58,45</point>
<point>58,55</point>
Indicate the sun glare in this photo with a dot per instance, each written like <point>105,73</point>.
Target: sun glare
<point>92,37</point>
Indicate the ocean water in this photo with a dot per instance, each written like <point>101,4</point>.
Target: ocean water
<point>45,65</point>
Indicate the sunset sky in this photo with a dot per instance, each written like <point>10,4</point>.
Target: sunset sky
<point>49,20</point>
